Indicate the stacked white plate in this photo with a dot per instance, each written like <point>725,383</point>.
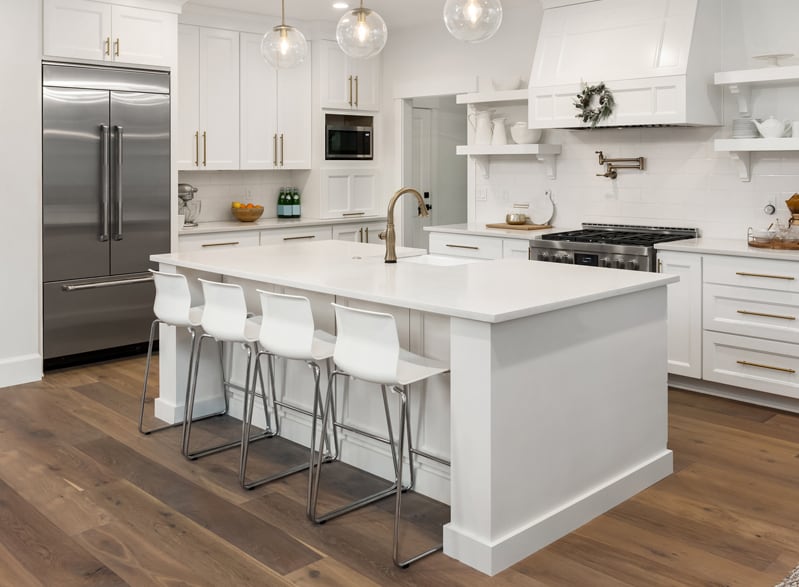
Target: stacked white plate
<point>744,128</point>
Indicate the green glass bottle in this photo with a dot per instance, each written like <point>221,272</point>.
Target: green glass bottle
<point>281,203</point>
<point>295,203</point>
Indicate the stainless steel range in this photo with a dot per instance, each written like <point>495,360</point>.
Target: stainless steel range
<point>607,245</point>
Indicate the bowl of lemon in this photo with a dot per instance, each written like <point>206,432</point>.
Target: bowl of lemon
<point>246,212</point>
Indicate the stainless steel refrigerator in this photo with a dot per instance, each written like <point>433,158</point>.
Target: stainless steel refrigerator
<point>106,204</point>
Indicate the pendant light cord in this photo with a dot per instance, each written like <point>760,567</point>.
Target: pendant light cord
<point>283,12</point>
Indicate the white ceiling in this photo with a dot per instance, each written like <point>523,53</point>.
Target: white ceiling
<point>396,13</point>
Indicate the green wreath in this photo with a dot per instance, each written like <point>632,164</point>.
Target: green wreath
<point>603,109</point>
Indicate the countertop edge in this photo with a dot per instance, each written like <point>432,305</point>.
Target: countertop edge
<point>221,226</point>
<point>732,247</point>
<point>478,229</point>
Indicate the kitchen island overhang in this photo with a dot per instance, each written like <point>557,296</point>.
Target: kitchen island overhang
<point>557,393</point>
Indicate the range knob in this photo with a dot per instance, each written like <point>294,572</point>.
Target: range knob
<point>604,262</point>
<point>562,259</point>
<point>618,264</point>
<point>632,265</point>
<point>543,256</point>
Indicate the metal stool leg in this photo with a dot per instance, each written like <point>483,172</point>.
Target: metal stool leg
<point>405,429</point>
<point>317,469</point>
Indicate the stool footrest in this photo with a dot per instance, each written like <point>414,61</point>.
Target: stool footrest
<point>213,450</point>
<point>407,562</point>
<point>359,503</point>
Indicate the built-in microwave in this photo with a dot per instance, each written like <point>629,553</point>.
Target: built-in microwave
<point>348,137</point>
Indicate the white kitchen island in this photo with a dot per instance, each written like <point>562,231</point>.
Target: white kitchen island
<point>556,407</point>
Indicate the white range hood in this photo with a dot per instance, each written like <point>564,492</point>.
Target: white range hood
<point>657,57</point>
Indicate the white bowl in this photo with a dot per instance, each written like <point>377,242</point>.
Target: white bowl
<point>525,136</point>
<point>504,84</point>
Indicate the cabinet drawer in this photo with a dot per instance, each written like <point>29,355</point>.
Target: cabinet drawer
<point>194,242</point>
<point>749,272</point>
<point>466,245</point>
<point>752,312</point>
<point>513,248</point>
<point>752,363</point>
<point>292,235</point>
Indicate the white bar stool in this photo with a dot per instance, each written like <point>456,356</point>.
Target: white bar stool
<point>367,348</point>
<point>287,331</point>
<point>224,319</point>
<point>172,306</point>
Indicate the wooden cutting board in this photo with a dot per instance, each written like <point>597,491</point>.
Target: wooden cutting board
<point>519,226</point>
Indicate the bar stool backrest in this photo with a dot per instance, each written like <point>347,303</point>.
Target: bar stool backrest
<point>225,311</point>
<point>287,327</point>
<point>367,345</point>
<point>172,298</point>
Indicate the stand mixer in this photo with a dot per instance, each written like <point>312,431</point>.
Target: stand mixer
<point>793,206</point>
<point>188,206</point>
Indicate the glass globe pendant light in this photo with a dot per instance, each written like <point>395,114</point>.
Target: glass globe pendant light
<point>361,33</point>
<point>472,20</point>
<point>284,46</point>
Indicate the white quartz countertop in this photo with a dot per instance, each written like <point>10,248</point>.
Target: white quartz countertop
<point>272,223</point>
<point>718,246</point>
<point>480,229</point>
<point>486,291</point>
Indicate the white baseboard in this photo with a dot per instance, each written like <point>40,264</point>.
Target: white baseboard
<point>20,369</point>
<point>741,394</point>
<point>538,533</point>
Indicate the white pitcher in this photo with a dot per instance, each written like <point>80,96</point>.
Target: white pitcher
<point>481,122</point>
<point>499,136</point>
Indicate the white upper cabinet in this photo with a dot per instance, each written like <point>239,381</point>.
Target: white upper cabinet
<point>275,111</point>
<point>208,90</point>
<point>348,84</point>
<point>85,29</point>
<point>349,193</point>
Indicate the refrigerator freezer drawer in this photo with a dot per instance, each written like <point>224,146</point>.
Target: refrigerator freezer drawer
<point>92,314</point>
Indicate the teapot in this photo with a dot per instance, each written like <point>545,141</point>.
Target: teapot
<point>481,123</point>
<point>771,128</point>
<point>499,136</point>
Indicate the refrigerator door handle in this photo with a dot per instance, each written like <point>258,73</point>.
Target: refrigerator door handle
<point>101,284</point>
<point>118,183</point>
<point>104,188</point>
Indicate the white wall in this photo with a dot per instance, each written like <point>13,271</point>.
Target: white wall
<point>686,182</point>
<point>20,191</point>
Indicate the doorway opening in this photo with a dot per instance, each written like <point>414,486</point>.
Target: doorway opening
<point>433,127</point>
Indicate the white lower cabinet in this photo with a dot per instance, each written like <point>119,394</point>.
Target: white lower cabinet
<point>361,232</point>
<point>278,236</point>
<point>750,313</point>
<point>195,242</point>
<point>514,248</point>
<point>465,245</point>
<point>684,312</point>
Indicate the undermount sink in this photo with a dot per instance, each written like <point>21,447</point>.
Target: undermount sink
<point>438,260</point>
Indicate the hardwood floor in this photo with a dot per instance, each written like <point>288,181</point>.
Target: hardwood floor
<point>86,500</point>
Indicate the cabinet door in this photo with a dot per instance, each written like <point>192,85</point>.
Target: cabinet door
<point>219,99</point>
<point>366,83</point>
<point>294,116</point>
<point>336,82</point>
<point>348,232</point>
<point>258,99</point>
<point>143,36</point>
<point>188,140</point>
<point>335,193</point>
<point>684,312</point>
<point>363,197</point>
<point>513,248</point>
<point>372,230</point>
<point>77,28</point>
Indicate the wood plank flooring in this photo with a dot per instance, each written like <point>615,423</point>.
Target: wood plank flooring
<point>86,500</point>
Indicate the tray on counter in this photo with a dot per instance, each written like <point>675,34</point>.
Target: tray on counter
<point>771,243</point>
<point>519,226</point>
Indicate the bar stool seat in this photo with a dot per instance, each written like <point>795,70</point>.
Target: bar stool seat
<point>225,320</point>
<point>367,348</point>
<point>172,306</point>
<point>288,332</point>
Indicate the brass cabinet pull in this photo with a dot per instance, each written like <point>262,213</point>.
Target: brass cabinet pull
<point>349,96</point>
<point>464,247</point>
<point>745,274</point>
<point>116,48</point>
<point>296,238</point>
<point>748,364</point>
<point>360,234</point>
<point>281,149</point>
<point>205,148</point>
<point>274,149</point>
<point>197,148</point>
<point>366,231</point>
<point>660,266</point>
<point>231,243</point>
<point>353,213</point>
<point>356,91</point>
<point>108,45</point>
<point>748,313</point>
